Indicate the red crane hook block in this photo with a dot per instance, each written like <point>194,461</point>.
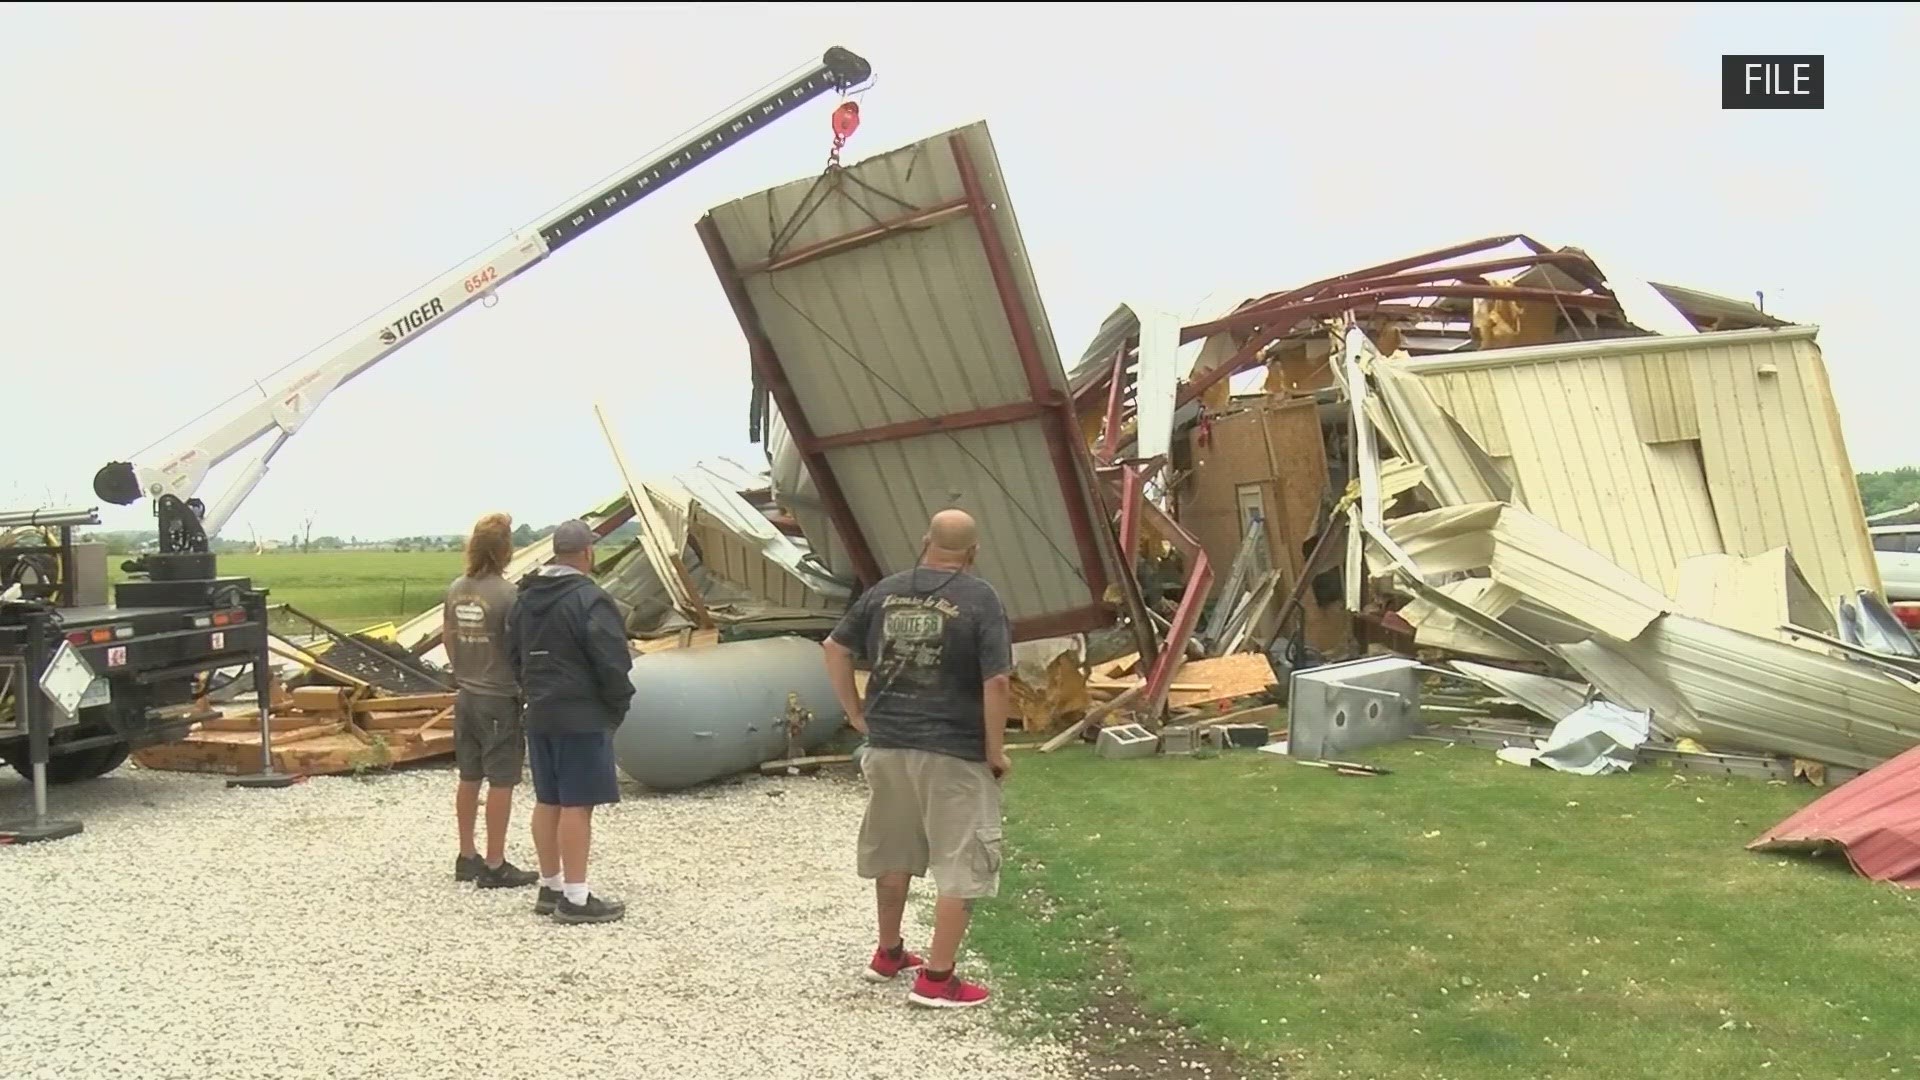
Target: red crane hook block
<point>846,120</point>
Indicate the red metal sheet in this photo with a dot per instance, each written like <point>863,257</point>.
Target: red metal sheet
<point>1874,818</point>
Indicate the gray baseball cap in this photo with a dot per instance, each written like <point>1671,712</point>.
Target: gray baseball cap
<point>573,538</point>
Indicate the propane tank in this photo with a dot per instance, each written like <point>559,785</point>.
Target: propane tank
<point>703,713</point>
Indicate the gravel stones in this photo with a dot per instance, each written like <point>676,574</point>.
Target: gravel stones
<point>199,933</point>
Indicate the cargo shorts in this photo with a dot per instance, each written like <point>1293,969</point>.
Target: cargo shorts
<point>935,814</point>
<point>489,741</point>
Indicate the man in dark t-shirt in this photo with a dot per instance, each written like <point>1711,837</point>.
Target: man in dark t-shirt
<point>935,717</point>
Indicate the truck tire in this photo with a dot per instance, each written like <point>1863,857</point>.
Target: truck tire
<point>75,767</point>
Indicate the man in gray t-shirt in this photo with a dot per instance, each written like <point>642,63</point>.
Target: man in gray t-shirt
<point>935,718</point>
<point>489,742</point>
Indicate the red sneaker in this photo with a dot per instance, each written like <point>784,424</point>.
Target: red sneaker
<point>883,968</point>
<point>952,992</point>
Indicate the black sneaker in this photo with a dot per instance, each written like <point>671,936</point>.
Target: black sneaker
<point>505,876</point>
<point>595,910</point>
<point>546,901</point>
<point>468,868</point>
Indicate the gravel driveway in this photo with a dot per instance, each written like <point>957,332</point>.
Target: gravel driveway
<point>198,933</point>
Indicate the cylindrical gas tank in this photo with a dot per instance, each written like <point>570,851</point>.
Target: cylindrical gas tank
<point>703,713</point>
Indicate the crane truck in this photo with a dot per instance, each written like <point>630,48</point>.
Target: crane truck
<point>85,683</point>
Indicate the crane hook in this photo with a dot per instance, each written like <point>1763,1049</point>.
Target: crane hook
<point>846,121</point>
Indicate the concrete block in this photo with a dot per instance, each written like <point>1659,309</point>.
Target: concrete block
<point>1177,739</point>
<point>1126,741</point>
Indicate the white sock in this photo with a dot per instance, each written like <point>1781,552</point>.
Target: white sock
<point>576,892</point>
<point>556,882</point>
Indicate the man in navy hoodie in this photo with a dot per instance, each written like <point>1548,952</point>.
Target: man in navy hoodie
<point>567,642</point>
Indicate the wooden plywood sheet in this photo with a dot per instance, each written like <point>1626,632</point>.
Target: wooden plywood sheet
<point>1225,677</point>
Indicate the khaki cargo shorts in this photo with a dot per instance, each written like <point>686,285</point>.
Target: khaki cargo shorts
<point>489,740</point>
<point>932,812</point>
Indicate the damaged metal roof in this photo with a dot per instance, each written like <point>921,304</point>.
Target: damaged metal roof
<point>1874,818</point>
<point>891,312</point>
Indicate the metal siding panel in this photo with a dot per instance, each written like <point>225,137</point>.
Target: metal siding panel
<point>1663,409</point>
<point>1770,468</point>
<point>1775,465</point>
<point>1686,506</point>
<point>1468,398</point>
<point>911,326</point>
<point>1767,695</point>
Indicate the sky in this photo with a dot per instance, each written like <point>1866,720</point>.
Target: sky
<point>198,197</point>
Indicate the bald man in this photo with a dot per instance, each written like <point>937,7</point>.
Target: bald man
<point>935,718</point>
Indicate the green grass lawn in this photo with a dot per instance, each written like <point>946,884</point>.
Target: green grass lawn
<point>351,589</point>
<point>1459,918</point>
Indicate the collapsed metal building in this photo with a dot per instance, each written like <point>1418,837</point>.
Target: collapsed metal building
<point>1503,452</point>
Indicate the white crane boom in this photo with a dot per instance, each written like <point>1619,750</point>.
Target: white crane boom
<point>173,481</point>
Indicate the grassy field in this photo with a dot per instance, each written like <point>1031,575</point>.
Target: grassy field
<point>1459,918</point>
<point>351,589</point>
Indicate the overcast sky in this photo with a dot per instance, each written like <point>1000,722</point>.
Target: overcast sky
<point>198,196</point>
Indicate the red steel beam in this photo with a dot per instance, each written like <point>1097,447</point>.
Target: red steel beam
<point>1323,305</point>
<point>1201,383</point>
<point>1132,492</point>
<point>962,421</point>
<point>879,230</point>
<point>1110,441</point>
<point>766,364</point>
<point>1459,271</point>
<point>1064,430</point>
<point>1424,258</point>
<point>1186,616</point>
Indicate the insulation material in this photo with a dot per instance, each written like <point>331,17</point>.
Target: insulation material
<point>1874,818</point>
<point>1499,323</point>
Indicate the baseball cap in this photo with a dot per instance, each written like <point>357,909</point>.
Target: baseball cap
<point>572,538</point>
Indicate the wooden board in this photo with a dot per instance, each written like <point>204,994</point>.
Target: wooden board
<point>405,703</point>
<point>701,639</point>
<point>1227,677</point>
<point>314,751</point>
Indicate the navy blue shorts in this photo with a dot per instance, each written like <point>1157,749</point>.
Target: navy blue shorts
<point>573,770</point>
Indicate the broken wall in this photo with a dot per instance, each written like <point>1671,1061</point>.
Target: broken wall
<point>1268,459</point>
<point>1654,451</point>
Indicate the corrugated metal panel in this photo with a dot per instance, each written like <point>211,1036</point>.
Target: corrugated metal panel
<point>1469,397</point>
<point>909,327</point>
<point>1529,555</point>
<point>1438,628</point>
<point>1457,471</point>
<point>1874,818</point>
<point>1603,436</point>
<point>1744,691</point>
<point>1555,699</point>
<point>1662,391</point>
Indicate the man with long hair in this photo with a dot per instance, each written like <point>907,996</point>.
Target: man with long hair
<point>489,742</point>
